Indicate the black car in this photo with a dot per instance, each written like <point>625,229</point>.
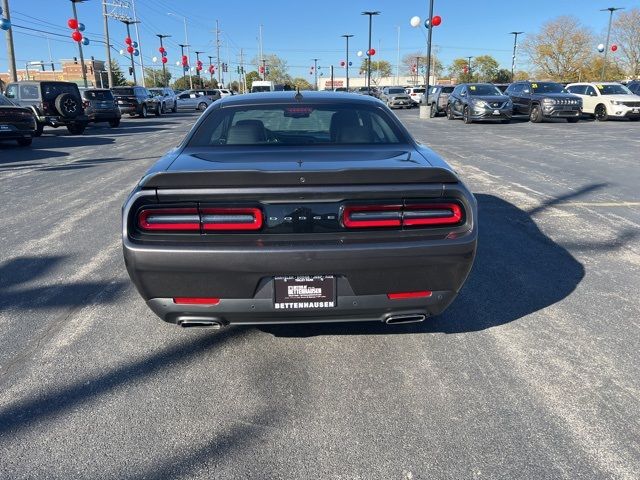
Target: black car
<point>56,104</point>
<point>478,101</point>
<point>100,106</point>
<point>167,98</point>
<point>136,101</point>
<point>634,86</point>
<point>541,100</point>
<point>16,123</point>
<point>285,207</point>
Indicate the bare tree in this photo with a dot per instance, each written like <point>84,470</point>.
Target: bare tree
<point>560,49</point>
<point>411,59</point>
<point>626,34</point>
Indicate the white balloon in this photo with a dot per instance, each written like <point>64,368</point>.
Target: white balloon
<point>415,21</point>
<point>154,59</point>
<point>178,63</point>
<point>600,47</point>
<point>121,52</point>
<point>360,53</point>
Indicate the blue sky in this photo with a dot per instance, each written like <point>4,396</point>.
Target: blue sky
<point>299,31</point>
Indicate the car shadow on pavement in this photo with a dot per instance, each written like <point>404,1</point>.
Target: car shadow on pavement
<point>17,293</point>
<point>518,270</point>
<point>13,156</point>
<point>62,140</point>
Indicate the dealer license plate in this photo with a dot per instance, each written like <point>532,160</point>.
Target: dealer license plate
<point>496,112</point>
<point>4,127</point>
<point>636,110</point>
<point>305,292</point>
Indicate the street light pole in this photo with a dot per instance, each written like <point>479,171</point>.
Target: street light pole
<point>106,35</point>
<point>186,44</point>
<point>198,62</point>
<point>370,14</point>
<point>13,72</point>
<point>84,72</point>
<point>515,47</point>
<point>469,65</point>
<point>128,23</point>
<point>315,71</point>
<point>346,65</point>
<point>164,67</point>
<point>606,47</point>
<point>425,97</point>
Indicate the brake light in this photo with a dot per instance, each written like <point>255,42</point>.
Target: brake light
<point>231,219</point>
<point>196,301</point>
<point>405,295</point>
<point>393,215</point>
<point>169,219</point>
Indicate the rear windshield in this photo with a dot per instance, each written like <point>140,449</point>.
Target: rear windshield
<point>397,90</point>
<point>51,90</point>
<point>447,89</point>
<point>98,95</point>
<point>418,90</point>
<point>484,90</point>
<point>122,91</point>
<point>261,89</point>
<point>297,124</point>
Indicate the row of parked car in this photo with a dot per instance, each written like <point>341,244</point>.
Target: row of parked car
<point>536,100</point>
<point>27,107</point>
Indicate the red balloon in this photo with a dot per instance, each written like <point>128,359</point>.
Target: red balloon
<point>372,52</point>
<point>212,69</point>
<point>435,21</point>
<point>614,47</point>
<point>161,49</point>
<point>184,58</point>
<point>164,59</point>
<point>342,64</point>
<point>130,49</point>
<point>72,23</point>
<point>128,41</point>
<point>77,36</point>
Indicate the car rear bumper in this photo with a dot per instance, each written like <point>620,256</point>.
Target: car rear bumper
<point>13,133</point>
<point>58,121</point>
<point>129,108</point>
<point>242,278</point>
<point>104,116</point>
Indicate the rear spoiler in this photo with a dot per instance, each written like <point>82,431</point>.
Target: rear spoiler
<point>258,178</point>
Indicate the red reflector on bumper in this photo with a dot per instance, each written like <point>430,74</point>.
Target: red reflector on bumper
<point>196,301</point>
<point>403,295</point>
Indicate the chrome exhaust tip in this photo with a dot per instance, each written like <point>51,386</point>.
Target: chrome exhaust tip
<point>408,318</point>
<point>194,322</point>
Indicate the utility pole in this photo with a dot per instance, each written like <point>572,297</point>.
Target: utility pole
<point>425,97</point>
<point>218,51</point>
<point>128,22</point>
<point>315,71</point>
<point>515,47</point>
<point>469,66</point>
<point>164,67</point>
<point>417,69</point>
<point>332,86</point>
<point>346,65</point>
<point>370,14</point>
<point>13,72</point>
<point>398,59</point>
<point>82,66</point>
<point>243,77</point>
<point>606,47</point>
<point>106,35</point>
<point>133,10</point>
<point>264,71</point>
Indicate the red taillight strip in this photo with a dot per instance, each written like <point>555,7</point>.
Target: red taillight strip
<point>404,295</point>
<point>370,211</point>
<point>196,301</point>
<point>231,219</point>
<point>434,214</point>
<point>172,219</point>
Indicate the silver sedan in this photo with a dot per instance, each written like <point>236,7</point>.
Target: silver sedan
<point>193,101</point>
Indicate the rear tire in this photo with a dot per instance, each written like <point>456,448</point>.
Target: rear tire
<point>25,142</point>
<point>158,111</point>
<point>535,115</point>
<point>600,113</point>
<point>175,107</point>
<point>144,113</point>
<point>76,128</point>
<point>39,130</point>
<point>202,106</point>
<point>450,113</point>
<point>573,119</point>
<point>433,111</point>
<point>466,115</point>
<point>114,123</point>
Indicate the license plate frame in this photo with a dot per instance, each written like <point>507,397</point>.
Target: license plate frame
<point>304,292</point>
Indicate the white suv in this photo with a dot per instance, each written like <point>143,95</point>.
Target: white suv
<point>607,100</point>
<point>224,92</point>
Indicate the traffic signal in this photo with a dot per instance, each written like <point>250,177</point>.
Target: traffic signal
<point>130,70</point>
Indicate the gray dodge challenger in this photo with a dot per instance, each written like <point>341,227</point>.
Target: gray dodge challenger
<point>293,207</point>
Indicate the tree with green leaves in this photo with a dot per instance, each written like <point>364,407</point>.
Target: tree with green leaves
<point>251,77</point>
<point>277,67</point>
<point>155,77</point>
<point>502,76</point>
<point>301,83</point>
<point>485,68</point>
<point>379,69</point>
<point>459,69</point>
<point>117,76</point>
<point>183,83</point>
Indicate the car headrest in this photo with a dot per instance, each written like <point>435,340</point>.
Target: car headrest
<point>342,119</point>
<point>246,134</point>
<point>354,134</point>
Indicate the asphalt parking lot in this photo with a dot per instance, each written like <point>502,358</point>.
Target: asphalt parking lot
<point>531,373</point>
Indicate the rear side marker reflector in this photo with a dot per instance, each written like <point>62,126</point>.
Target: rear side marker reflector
<point>381,216</point>
<point>196,301</point>
<point>207,219</point>
<point>405,295</point>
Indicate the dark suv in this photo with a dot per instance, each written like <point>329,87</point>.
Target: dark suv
<point>479,101</point>
<point>540,100</point>
<point>136,101</point>
<point>437,99</point>
<point>56,104</point>
<point>100,106</point>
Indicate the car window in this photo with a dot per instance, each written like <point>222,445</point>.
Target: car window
<point>286,124</point>
<point>122,91</point>
<point>29,92</point>
<point>183,96</point>
<point>613,89</point>
<point>98,95</point>
<point>418,90</point>
<point>588,90</point>
<point>12,91</point>
<point>51,90</point>
<point>517,88</point>
<point>396,91</point>
<point>5,102</point>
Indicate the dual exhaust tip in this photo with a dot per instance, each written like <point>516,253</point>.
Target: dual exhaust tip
<point>197,322</point>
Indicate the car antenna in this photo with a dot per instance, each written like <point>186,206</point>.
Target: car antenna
<point>298,96</point>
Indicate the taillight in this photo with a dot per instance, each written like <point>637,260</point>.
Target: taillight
<point>194,219</point>
<point>405,295</point>
<point>196,301</point>
<point>170,219</point>
<point>411,215</point>
<point>231,219</point>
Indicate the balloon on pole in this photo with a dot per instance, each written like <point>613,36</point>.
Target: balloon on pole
<point>436,20</point>
<point>85,41</point>
<point>154,59</point>
<point>359,53</point>
<point>72,23</point>
<point>5,24</point>
<point>77,36</point>
<point>135,52</point>
<point>371,52</point>
<point>600,47</point>
<point>130,49</point>
<point>81,27</point>
<point>415,21</point>
<point>614,47</point>
<point>164,60</point>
